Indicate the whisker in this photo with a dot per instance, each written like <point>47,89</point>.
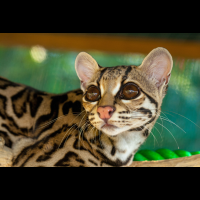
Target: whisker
<point>82,119</point>
<point>167,119</point>
<point>100,140</point>
<point>90,132</point>
<point>159,133</point>
<point>170,133</point>
<point>65,135</point>
<point>173,123</point>
<point>135,117</point>
<point>50,122</point>
<point>82,132</point>
<point>164,114</point>
<point>68,131</point>
<point>162,123</point>
<point>183,117</point>
<point>46,124</point>
<point>153,136</point>
<point>95,136</point>
<point>86,126</point>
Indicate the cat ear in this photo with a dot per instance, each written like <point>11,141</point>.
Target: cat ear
<point>158,65</point>
<point>86,67</point>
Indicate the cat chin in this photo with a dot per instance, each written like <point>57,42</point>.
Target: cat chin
<point>110,131</point>
<point>113,130</point>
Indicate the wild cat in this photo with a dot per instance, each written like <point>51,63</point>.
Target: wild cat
<point>102,124</point>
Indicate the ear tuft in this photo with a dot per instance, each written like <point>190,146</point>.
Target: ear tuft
<point>86,67</point>
<point>158,65</point>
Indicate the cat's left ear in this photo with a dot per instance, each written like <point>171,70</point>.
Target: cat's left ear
<point>86,67</point>
<point>158,65</point>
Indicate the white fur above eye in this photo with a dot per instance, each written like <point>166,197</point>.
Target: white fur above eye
<point>102,90</point>
<point>116,89</point>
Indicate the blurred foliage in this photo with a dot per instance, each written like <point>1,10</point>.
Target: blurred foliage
<point>53,71</point>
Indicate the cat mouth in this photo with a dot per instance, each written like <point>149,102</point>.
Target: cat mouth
<point>106,125</point>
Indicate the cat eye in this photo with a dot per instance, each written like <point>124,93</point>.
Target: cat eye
<point>130,91</point>
<point>92,94</point>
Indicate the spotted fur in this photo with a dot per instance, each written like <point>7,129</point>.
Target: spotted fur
<point>65,130</point>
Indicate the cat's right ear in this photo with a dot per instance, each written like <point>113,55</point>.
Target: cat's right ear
<point>158,65</point>
<point>86,67</point>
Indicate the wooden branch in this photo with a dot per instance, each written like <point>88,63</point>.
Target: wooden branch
<point>6,154</point>
<point>191,161</point>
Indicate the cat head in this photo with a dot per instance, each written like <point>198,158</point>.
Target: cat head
<point>124,98</point>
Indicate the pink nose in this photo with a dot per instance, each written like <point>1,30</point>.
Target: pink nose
<point>105,112</point>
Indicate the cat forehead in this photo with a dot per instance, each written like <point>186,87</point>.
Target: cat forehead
<point>114,72</point>
<point>112,77</point>
<point>119,73</point>
<point>111,73</point>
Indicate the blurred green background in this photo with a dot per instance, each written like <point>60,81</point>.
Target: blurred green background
<point>53,71</point>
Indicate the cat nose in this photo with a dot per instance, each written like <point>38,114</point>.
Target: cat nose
<point>105,112</point>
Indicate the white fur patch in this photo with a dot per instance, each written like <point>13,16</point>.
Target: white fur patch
<point>94,102</point>
<point>102,90</point>
<point>116,89</point>
<point>84,100</point>
<point>125,101</point>
<point>148,105</point>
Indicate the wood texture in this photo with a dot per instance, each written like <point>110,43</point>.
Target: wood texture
<point>115,44</point>
<point>191,161</point>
